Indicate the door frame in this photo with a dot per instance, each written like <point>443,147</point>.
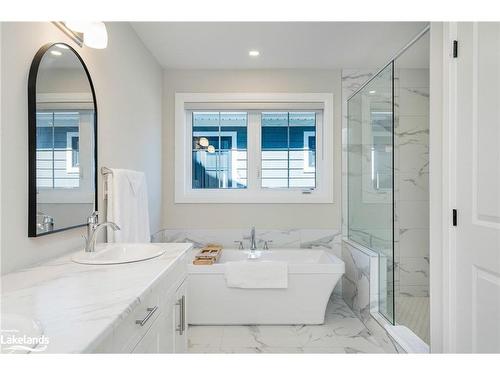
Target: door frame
<point>442,181</point>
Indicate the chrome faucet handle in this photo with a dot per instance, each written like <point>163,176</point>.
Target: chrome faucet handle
<point>266,244</point>
<point>94,218</point>
<point>240,245</point>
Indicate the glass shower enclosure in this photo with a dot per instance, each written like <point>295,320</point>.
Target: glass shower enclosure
<point>388,185</point>
<point>371,179</point>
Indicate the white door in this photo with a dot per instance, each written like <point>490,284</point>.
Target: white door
<point>477,271</point>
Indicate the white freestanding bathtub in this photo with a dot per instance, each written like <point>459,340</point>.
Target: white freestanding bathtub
<point>312,275</point>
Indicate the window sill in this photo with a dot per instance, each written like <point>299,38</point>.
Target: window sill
<point>241,196</point>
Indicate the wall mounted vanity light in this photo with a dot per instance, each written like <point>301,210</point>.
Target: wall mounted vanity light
<point>91,34</point>
<point>95,35</point>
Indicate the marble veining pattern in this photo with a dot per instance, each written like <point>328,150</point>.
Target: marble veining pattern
<point>326,239</point>
<point>411,251</point>
<point>359,281</point>
<point>411,192</point>
<point>80,305</point>
<point>342,332</point>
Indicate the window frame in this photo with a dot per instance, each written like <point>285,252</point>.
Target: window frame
<point>69,153</point>
<point>185,104</point>
<point>233,136</point>
<point>84,192</point>
<point>307,160</point>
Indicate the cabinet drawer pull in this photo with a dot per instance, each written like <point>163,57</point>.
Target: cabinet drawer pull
<point>151,311</point>
<point>182,314</point>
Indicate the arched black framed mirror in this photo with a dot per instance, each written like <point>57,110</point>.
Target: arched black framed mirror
<point>62,140</point>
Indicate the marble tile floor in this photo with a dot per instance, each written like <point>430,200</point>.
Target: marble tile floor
<point>342,332</point>
<point>414,313</point>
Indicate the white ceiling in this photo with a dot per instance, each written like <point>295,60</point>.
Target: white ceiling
<point>285,45</point>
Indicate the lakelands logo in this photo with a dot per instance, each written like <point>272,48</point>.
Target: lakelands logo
<point>11,342</point>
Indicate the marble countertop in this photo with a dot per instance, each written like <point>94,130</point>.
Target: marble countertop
<point>79,305</point>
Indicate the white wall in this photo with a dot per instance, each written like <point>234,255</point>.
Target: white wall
<point>127,81</point>
<point>270,216</point>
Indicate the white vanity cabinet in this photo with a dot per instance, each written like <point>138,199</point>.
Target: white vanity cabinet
<point>158,323</point>
<point>158,338</point>
<point>137,307</point>
<point>180,316</point>
<point>168,333</point>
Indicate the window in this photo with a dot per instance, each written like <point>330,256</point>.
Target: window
<point>219,150</point>
<point>288,149</point>
<point>254,148</point>
<point>57,150</point>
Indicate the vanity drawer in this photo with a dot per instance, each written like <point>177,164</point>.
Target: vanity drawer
<point>131,330</point>
<point>144,318</point>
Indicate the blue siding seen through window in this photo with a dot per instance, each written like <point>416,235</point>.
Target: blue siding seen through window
<point>54,147</point>
<point>288,149</point>
<point>219,150</point>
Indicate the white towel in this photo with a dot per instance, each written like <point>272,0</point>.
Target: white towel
<point>256,274</point>
<point>127,206</point>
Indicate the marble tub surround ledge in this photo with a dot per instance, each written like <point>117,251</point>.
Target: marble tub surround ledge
<point>360,289</point>
<point>79,306</point>
<point>360,281</point>
<point>326,239</point>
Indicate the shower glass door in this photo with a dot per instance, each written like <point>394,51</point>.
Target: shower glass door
<point>371,177</point>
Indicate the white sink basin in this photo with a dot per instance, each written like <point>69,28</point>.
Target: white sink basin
<point>119,253</point>
<point>21,335</point>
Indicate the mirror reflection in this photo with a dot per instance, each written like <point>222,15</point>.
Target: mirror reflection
<point>65,142</point>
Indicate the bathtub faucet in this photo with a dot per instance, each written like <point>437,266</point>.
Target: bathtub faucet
<point>253,245</point>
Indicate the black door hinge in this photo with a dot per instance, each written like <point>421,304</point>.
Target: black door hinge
<point>455,49</point>
<point>455,217</point>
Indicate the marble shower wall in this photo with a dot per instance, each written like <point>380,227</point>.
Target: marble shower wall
<point>411,248</point>
<point>410,191</point>
<point>357,283</point>
<point>352,79</point>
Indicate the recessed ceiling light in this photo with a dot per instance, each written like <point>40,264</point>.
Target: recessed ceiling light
<point>56,53</point>
<point>372,92</point>
<point>253,53</point>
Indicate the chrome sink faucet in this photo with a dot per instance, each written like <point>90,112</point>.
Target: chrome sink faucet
<point>253,244</point>
<point>93,227</point>
<point>92,222</point>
